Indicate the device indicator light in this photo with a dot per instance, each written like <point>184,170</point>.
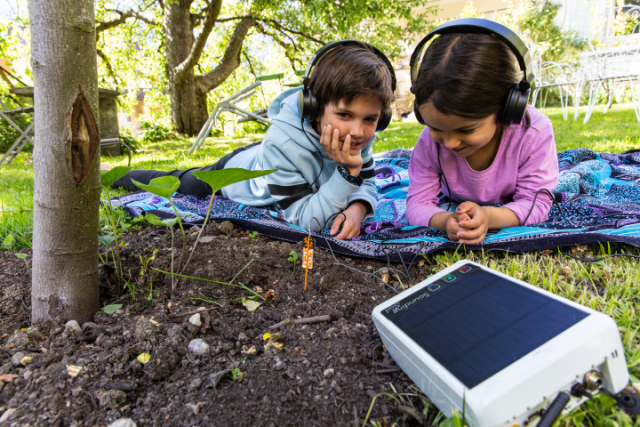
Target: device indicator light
<point>449,278</point>
<point>464,269</point>
<point>433,287</point>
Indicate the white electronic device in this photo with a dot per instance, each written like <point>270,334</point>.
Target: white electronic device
<point>498,349</point>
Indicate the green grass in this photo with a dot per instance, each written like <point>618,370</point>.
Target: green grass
<point>610,286</point>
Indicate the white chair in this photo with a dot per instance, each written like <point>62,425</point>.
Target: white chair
<point>554,75</point>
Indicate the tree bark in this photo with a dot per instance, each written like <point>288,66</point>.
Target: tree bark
<point>188,105</point>
<point>65,160</point>
<point>188,91</point>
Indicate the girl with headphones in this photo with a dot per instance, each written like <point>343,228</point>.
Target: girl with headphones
<point>484,149</point>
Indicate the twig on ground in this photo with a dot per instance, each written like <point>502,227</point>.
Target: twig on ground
<point>316,319</point>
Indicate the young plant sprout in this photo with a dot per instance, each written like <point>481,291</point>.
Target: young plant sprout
<point>107,178</point>
<point>293,257</point>
<point>217,180</point>
<point>166,186</point>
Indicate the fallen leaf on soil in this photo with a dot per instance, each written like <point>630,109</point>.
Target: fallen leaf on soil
<point>144,358</point>
<point>274,345</point>
<point>73,370</point>
<point>250,304</point>
<point>385,278</point>
<point>566,270</point>
<point>259,289</point>
<point>266,336</point>
<point>4,336</point>
<point>421,263</point>
<point>251,351</point>
<point>25,360</point>
<point>8,378</point>
<point>270,295</point>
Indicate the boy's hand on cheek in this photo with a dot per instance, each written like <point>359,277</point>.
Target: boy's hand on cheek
<point>340,152</point>
<point>350,220</point>
<point>475,227</point>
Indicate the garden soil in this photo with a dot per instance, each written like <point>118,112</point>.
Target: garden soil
<point>327,372</point>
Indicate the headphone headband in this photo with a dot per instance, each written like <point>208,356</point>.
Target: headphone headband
<point>477,26</point>
<point>346,42</point>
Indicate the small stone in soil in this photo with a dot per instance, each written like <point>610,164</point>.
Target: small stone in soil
<point>198,347</point>
<point>112,398</point>
<point>280,366</point>
<point>195,384</point>
<point>195,320</point>
<point>123,422</point>
<point>214,379</point>
<point>328,373</point>
<point>72,328</point>
<point>17,358</point>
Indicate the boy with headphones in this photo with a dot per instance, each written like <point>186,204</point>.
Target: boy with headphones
<point>320,141</point>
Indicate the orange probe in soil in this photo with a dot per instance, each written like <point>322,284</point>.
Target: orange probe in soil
<point>307,258</point>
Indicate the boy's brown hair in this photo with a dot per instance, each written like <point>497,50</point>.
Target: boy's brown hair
<point>350,71</point>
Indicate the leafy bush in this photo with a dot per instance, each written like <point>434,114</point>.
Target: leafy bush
<point>154,132</point>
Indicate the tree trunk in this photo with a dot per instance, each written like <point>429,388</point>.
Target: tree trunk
<point>188,103</point>
<point>65,160</point>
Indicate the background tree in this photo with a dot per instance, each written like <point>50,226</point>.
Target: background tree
<point>203,41</point>
<point>65,160</point>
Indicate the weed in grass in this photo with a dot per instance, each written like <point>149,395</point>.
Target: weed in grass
<point>293,257</point>
<point>253,235</point>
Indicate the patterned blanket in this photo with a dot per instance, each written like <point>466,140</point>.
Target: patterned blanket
<point>598,200</point>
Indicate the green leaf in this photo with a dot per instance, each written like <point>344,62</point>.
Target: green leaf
<point>21,255</point>
<point>163,186</point>
<point>8,242</point>
<point>111,308</point>
<point>111,176</point>
<point>224,177</point>
<point>170,222</point>
<point>293,257</point>
<point>153,219</point>
<point>106,240</point>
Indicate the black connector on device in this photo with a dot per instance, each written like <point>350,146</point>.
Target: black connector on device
<point>554,410</point>
<point>627,402</point>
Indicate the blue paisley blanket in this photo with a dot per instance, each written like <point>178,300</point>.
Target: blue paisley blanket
<point>598,200</point>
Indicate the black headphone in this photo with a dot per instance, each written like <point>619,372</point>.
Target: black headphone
<point>308,103</point>
<point>516,102</point>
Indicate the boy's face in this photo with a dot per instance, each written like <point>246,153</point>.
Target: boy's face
<point>358,119</point>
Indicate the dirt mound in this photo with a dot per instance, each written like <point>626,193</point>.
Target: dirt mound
<point>209,364</point>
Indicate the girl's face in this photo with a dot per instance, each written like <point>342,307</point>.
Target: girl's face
<point>358,119</point>
<point>462,136</point>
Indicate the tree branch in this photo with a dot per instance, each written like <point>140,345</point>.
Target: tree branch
<point>107,64</point>
<point>196,51</point>
<point>103,26</point>
<point>283,29</point>
<point>230,60</point>
<point>285,47</point>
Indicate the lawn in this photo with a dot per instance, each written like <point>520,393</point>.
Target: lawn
<point>611,286</point>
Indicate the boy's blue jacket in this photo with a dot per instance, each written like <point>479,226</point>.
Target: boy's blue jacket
<point>308,182</point>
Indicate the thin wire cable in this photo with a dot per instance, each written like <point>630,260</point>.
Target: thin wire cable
<point>369,275</point>
<point>599,259</point>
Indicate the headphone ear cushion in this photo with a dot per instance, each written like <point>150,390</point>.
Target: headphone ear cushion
<point>307,105</point>
<point>516,106</point>
<point>384,120</point>
<point>416,111</point>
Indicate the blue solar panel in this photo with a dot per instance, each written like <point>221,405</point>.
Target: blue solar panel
<point>476,323</point>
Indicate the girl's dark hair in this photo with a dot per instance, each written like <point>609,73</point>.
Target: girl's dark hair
<point>350,71</point>
<point>467,75</point>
